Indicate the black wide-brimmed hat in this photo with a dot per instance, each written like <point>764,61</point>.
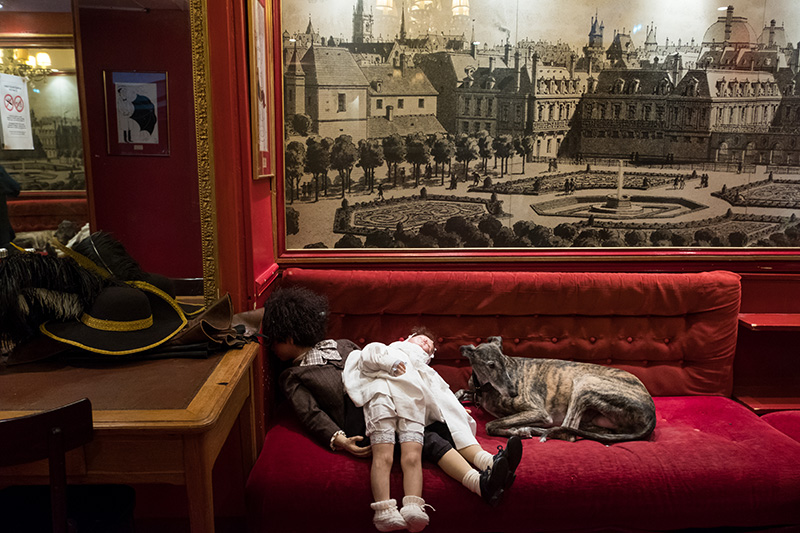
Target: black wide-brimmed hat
<point>122,320</point>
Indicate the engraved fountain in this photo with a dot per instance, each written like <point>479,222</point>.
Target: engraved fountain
<point>619,204</point>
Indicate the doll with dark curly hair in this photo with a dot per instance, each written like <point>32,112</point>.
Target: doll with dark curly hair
<point>295,313</point>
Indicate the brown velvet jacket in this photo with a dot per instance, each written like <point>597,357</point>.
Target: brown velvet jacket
<point>317,396</point>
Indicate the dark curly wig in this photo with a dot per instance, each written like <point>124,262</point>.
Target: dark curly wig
<point>295,313</point>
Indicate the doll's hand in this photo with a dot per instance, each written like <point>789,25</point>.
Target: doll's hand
<point>398,368</point>
<point>349,445</point>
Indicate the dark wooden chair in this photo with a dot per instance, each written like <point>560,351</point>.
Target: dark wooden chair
<point>48,435</point>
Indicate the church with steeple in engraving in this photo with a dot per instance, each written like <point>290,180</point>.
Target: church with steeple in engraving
<point>362,24</point>
<point>593,52</point>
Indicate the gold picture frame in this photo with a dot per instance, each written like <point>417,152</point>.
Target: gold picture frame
<point>261,97</point>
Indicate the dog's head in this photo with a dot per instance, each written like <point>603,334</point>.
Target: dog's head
<point>490,365</point>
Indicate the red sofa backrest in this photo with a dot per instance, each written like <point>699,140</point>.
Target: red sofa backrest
<point>676,332</point>
<point>45,210</point>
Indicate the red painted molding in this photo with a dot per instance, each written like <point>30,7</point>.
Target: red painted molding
<point>786,260</point>
<point>264,280</point>
<point>49,195</point>
<point>30,24</point>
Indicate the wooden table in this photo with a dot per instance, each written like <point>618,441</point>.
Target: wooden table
<point>161,421</point>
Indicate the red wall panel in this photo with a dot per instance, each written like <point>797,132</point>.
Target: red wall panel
<point>244,216</point>
<point>149,203</point>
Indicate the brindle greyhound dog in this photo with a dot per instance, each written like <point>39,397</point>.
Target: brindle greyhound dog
<point>557,399</point>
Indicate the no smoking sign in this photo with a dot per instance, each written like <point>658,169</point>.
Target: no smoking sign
<point>15,120</point>
<point>14,102</point>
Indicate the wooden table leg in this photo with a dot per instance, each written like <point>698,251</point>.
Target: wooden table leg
<point>247,432</point>
<point>199,488</point>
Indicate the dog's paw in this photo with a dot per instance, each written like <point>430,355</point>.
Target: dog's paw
<point>560,433</point>
<point>465,396</point>
<point>522,433</point>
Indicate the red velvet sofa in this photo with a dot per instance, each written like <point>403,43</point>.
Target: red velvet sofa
<point>44,210</point>
<point>710,463</point>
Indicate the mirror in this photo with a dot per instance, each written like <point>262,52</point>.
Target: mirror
<point>41,149</point>
<point>147,181</point>
<point>56,161</point>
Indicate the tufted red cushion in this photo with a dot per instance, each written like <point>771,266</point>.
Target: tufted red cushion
<point>709,463</point>
<point>676,332</point>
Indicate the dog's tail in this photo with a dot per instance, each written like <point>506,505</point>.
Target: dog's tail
<point>602,435</point>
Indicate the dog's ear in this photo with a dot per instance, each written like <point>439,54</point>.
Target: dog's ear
<point>467,350</point>
<point>496,340</point>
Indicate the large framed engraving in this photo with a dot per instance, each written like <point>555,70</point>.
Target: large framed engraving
<point>427,128</point>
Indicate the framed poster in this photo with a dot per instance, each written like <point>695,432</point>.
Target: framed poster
<point>137,117</point>
<point>503,127</point>
<point>260,94</point>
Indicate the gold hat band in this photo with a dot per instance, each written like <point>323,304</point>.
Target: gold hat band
<point>117,325</point>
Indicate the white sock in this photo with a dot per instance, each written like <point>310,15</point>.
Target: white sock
<point>472,480</point>
<point>483,460</point>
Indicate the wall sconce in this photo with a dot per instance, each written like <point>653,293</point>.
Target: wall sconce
<point>17,62</point>
<point>43,59</point>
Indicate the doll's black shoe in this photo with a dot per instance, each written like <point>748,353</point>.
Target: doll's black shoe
<point>493,480</point>
<point>513,454</point>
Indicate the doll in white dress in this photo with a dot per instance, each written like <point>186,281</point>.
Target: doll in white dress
<point>401,394</point>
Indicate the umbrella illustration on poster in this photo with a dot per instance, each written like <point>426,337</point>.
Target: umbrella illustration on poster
<point>137,117</point>
<point>144,113</point>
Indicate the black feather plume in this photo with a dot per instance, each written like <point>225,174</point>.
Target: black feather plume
<point>110,254</point>
<point>35,288</point>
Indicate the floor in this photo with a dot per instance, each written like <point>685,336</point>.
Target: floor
<point>176,525</point>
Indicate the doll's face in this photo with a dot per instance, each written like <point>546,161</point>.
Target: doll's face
<point>424,342</point>
<point>287,350</point>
